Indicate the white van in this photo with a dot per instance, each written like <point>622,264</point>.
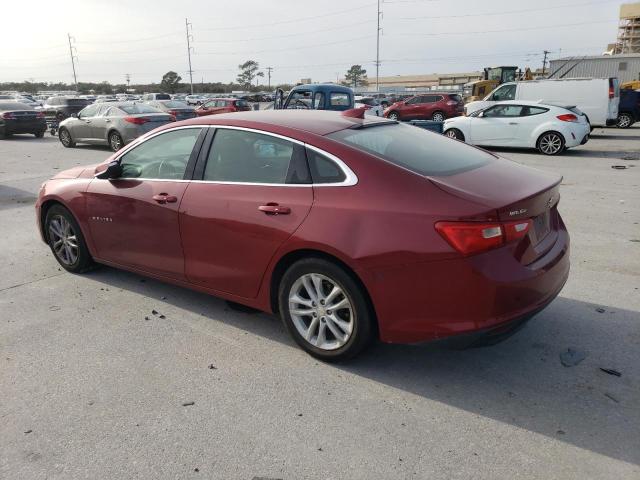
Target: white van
<point>597,98</point>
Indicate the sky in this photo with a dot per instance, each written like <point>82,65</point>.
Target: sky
<point>298,38</point>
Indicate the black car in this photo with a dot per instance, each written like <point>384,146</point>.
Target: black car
<point>628,108</point>
<point>17,117</point>
<point>59,108</point>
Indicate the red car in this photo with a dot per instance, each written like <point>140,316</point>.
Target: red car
<point>432,106</point>
<point>350,228</point>
<point>223,105</point>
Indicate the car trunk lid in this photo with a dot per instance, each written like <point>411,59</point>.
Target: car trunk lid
<point>513,192</point>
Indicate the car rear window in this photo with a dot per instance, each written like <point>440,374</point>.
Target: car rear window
<point>415,149</point>
<point>137,108</point>
<point>74,102</point>
<point>456,98</point>
<point>241,103</point>
<point>174,104</point>
<point>163,96</point>
<point>14,106</point>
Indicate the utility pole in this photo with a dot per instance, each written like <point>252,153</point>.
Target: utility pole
<point>544,60</point>
<point>189,40</point>
<point>73,64</point>
<point>378,49</point>
<point>269,69</point>
<point>128,78</point>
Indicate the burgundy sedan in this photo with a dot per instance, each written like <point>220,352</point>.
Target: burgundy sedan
<point>349,228</point>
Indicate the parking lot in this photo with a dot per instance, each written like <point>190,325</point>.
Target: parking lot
<point>96,386</point>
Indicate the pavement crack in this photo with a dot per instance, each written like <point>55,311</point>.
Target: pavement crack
<point>30,282</point>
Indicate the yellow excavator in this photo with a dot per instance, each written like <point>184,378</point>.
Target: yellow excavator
<point>493,76</point>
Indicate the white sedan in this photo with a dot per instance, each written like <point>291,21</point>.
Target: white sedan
<point>549,128</point>
<point>373,105</point>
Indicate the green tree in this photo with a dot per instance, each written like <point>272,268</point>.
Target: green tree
<point>170,82</point>
<point>247,73</point>
<point>356,76</point>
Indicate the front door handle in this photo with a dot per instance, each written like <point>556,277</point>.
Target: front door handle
<point>274,209</point>
<point>513,123</point>
<point>163,198</point>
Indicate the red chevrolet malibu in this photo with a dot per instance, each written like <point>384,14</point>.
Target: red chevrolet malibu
<point>349,228</point>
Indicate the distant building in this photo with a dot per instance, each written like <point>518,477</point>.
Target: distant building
<point>625,67</point>
<point>628,31</point>
<point>434,81</point>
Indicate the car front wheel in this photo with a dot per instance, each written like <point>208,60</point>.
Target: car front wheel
<point>65,138</point>
<point>325,310</point>
<point>66,240</point>
<point>550,143</point>
<point>393,116</point>
<point>454,133</point>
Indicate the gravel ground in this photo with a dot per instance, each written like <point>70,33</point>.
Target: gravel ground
<point>90,389</point>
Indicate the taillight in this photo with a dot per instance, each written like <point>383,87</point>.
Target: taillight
<point>452,102</point>
<point>136,120</point>
<point>39,115</point>
<point>474,237</point>
<point>8,115</point>
<point>612,91</point>
<point>567,117</point>
<point>173,112</point>
<point>172,118</point>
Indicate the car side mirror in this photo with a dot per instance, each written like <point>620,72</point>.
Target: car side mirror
<point>112,170</point>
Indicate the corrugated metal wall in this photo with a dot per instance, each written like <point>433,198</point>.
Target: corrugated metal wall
<point>626,68</point>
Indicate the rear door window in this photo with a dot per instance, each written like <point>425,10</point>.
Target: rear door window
<point>414,148</point>
<point>506,92</point>
<point>503,111</point>
<point>241,156</point>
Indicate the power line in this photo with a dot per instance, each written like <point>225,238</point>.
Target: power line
<point>509,12</point>
<point>288,49</point>
<point>131,40</point>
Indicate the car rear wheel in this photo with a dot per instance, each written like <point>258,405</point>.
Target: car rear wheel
<point>66,240</point>
<point>115,141</point>
<point>65,138</point>
<point>40,134</point>
<point>550,143</point>
<point>438,117</point>
<point>325,310</point>
<point>454,133</point>
<point>393,116</point>
<point>625,120</point>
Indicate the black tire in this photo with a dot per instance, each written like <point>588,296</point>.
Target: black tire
<point>393,116</point>
<point>454,133</point>
<point>550,143</point>
<point>437,117</point>
<point>115,141</point>
<point>65,138</point>
<point>40,134</point>
<point>625,120</point>
<point>83,260</point>
<point>3,135</point>
<point>362,320</point>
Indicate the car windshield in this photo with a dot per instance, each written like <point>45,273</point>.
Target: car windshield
<point>415,149</point>
<point>75,102</point>
<point>137,108</point>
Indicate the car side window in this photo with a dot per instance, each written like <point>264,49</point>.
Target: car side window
<point>163,157</point>
<point>324,170</point>
<point>506,92</point>
<point>413,100</point>
<point>89,111</point>
<point>529,111</point>
<point>242,156</point>
<point>503,111</point>
<point>114,112</point>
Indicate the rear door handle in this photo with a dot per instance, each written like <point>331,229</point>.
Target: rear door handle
<point>274,209</point>
<point>513,123</point>
<point>163,198</point>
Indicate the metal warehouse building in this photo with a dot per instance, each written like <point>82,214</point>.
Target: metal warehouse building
<point>625,67</point>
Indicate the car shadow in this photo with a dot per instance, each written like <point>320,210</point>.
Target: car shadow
<point>11,197</point>
<point>581,151</point>
<point>520,382</point>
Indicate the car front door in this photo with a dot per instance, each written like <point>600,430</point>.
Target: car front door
<point>81,126</point>
<point>497,126</point>
<point>101,122</point>
<point>133,219</point>
<point>412,108</point>
<point>254,193</point>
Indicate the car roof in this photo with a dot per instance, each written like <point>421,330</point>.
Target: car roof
<point>319,122</point>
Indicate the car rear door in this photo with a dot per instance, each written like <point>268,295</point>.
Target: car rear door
<point>253,194</point>
<point>101,122</point>
<point>133,219</point>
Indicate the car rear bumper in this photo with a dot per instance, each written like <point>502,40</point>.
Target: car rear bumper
<point>33,126</point>
<point>611,122</point>
<point>477,295</point>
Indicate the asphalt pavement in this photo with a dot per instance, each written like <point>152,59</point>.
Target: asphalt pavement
<point>90,389</point>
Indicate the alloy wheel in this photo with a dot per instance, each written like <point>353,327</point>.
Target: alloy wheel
<point>63,240</point>
<point>624,121</point>
<point>321,311</point>
<point>451,133</point>
<point>393,116</point>
<point>550,143</point>
<point>65,138</point>
<point>438,117</point>
<point>115,142</point>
